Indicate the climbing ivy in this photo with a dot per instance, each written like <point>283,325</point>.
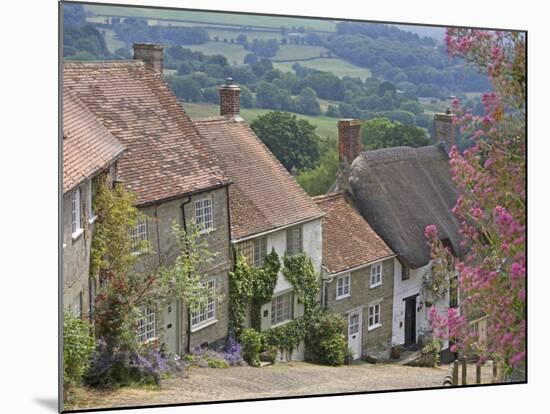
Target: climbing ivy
<point>286,337</point>
<point>251,285</point>
<point>299,271</point>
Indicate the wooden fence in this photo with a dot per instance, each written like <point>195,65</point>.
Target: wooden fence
<point>459,368</point>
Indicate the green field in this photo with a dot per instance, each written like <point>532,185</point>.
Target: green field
<point>436,107</point>
<point>211,17</point>
<point>326,126</point>
<point>337,66</point>
<point>113,43</point>
<point>291,52</point>
<point>233,52</point>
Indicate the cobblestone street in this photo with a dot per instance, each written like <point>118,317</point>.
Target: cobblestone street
<point>293,378</point>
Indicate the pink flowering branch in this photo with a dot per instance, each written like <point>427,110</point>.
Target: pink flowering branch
<point>490,176</point>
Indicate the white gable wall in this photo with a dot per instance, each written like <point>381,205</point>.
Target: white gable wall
<point>407,288</point>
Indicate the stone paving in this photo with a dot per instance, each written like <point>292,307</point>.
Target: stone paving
<point>284,379</point>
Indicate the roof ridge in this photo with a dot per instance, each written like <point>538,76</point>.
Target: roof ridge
<point>289,176</point>
<point>334,194</point>
<point>104,63</point>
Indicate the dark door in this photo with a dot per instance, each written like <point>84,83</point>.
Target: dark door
<point>410,321</point>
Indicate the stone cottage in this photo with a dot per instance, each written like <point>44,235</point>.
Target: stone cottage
<point>268,209</point>
<point>176,176</point>
<point>89,150</point>
<point>400,191</point>
<point>358,276</point>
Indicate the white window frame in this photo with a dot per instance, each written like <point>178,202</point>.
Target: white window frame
<point>146,325</point>
<point>139,233</point>
<point>282,305</point>
<point>206,313</point>
<point>343,286</point>
<point>375,277</point>
<point>76,213</point>
<point>90,197</point>
<point>255,251</point>
<point>300,243</point>
<point>356,326</point>
<point>374,317</point>
<point>204,215</point>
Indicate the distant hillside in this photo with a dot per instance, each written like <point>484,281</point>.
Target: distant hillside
<point>436,33</point>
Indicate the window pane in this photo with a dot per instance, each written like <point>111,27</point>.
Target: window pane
<point>281,308</point>
<point>294,241</point>
<point>204,216</point>
<point>206,310</point>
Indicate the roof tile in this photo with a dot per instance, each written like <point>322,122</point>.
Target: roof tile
<point>263,196</point>
<point>88,146</point>
<point>166,157</point>
<point>348,239</point>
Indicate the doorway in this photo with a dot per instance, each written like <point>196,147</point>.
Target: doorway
<point>410,320</point>
<point>355,323</point>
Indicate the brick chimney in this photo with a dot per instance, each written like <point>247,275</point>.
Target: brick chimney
<point>349,140</point>
<point>230,100</point>
<point>151,54</point>
<point>444,129</point>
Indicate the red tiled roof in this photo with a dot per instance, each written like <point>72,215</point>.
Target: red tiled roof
<point>263,196</point>
<point>88,147</point>
<point>165,156</point>
<point>348,240</point>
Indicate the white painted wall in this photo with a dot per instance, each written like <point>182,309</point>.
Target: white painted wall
<point>312,246</point>
<point>404,289</point>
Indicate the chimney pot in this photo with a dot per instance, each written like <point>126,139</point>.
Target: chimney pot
<point>150,54</point>
<point>349,140</point>
<point>230,99</point>
<point>444,129</point>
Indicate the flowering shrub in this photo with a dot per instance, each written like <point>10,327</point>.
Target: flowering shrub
<point>491,178</point>
<point>229,355</point>
<point>127,366</point>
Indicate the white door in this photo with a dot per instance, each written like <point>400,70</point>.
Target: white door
<point>170,331</point>
<point>355,322</point>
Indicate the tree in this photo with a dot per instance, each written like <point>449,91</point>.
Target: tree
<point>307,102</point>
<point>491,178</point>
<point>293,141</point>
<point>265,48</point>
<point>318,180</point>
<point>247,98</point>
<point>272,97</point>
<point>250,59</point>
<point>411,106</point>
<point>186,89</point>
<point>383,133</point>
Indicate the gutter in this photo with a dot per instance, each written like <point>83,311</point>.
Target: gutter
<point>187,194</point>
<point>353,269</point>
<point>277,229</point>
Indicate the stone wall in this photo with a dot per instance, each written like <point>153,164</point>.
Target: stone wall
<point>375,342</point>
<point>164,250</point>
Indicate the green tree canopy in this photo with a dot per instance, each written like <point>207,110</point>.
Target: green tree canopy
<point>383,133</point>
<point>293,141</point>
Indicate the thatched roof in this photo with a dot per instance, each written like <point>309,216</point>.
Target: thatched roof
<point>400,191</point>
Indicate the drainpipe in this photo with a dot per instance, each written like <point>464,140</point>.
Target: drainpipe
<point>188,345</point>
<point>324,290</point>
